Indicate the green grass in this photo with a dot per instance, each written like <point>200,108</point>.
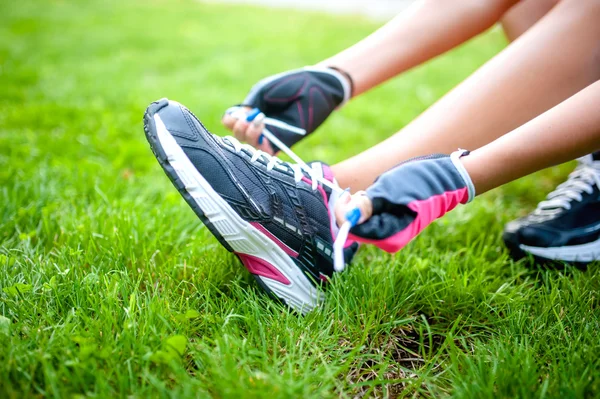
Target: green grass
<point>110,286</point>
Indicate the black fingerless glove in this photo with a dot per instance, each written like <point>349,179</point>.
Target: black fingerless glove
<point>303,98</point>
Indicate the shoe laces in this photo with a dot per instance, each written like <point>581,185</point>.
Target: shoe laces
<point>583,179</point>
<point>299,169</point>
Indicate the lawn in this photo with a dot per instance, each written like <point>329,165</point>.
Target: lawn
<point>111,287</point>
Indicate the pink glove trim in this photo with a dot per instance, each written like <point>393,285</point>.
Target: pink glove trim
<point>427,211</point>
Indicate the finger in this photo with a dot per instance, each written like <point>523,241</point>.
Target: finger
<point>229,119</point>
<point>239,129</point>
<point>346,203</point>
<point>265,145</point>
<point>253,133</point>
<point>340,207</point>
<point>258,120</point>
<point>365,205</point>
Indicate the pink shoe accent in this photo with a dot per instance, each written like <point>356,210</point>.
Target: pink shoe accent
<point>276,240</point>
<point>263,268</point>
<point>427,211</point>
<point>327,173</point>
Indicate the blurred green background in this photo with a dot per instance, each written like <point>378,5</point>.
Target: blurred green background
<point>110,286</point>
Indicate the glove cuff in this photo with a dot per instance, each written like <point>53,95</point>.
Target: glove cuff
<point>348,78</point>
<point>455,158</point>
<point>346,82</point>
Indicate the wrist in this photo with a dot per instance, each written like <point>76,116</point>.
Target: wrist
<point>481,172</point>
<point>347,77</point>
<point>458,158</point>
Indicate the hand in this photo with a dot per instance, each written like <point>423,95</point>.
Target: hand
<point>406,199</point>
<point>347,202</point>
<point>303,98</point>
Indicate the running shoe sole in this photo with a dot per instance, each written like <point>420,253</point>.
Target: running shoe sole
<point>584,253</point>
<point>262,257</point>
<point>555,257</point>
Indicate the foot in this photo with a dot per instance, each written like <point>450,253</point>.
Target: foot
<point>272,214</point>
<point>566,226</point>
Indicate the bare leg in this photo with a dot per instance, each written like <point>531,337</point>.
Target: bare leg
<point>567,131</point>
<point>552,61</point>
<point>564,132</point>
<point>425,30</point>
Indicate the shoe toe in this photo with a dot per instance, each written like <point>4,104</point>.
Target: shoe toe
<point>180,122</point>
<point>511,231</point>
<point>521,232</point>
<point>512,227</point>
<point>538,237</point>
<point>510,237</point>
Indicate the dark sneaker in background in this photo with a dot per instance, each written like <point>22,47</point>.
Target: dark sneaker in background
<point>272,214</point>
<point>566,225</point>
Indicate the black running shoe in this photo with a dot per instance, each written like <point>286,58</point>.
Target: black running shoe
<point>566,226</point>
<point>272,214</point>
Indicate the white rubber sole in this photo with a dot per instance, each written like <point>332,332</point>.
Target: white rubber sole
<point>574,253</point>
<point>243,238</point>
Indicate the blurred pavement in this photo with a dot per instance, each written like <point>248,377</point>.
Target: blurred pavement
<point>376,9</point>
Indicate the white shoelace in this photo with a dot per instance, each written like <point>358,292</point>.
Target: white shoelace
<point>274,162</point>
<point>582,179</point>
<point>340,240</point>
